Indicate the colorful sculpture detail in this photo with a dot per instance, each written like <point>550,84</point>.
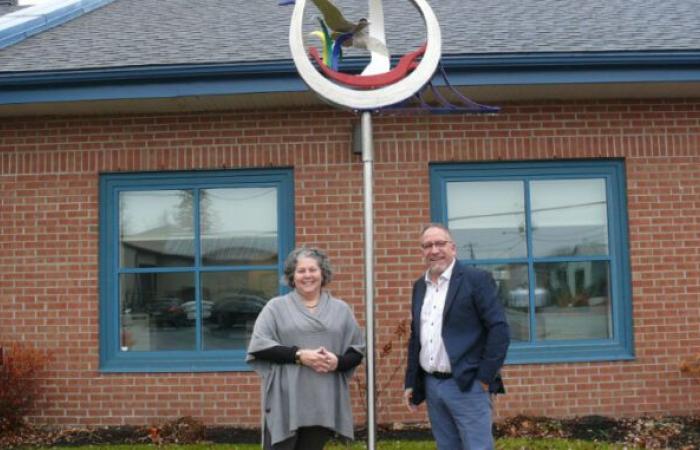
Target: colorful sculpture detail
<point>405,65</point>
<point>337,32</point>
<point>379,86</point>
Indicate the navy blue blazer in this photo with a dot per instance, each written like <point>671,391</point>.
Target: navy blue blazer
<point>474,330</point>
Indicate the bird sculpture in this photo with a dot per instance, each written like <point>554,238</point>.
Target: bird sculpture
<point>356,33</point>
<point>333,17</point>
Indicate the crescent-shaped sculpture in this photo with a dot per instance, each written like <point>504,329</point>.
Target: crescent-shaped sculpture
<point>367,99</point>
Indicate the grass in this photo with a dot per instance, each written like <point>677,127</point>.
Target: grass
<point>501,444</point>
<point>556,444</point>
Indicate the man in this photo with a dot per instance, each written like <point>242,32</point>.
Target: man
<point>459,338</point>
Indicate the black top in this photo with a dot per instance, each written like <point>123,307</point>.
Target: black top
<point>282,354</point>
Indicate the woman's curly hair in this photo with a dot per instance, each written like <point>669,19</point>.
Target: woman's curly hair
<point>290,264</point>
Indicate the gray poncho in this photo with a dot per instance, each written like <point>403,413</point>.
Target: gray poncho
<point>296,396</point>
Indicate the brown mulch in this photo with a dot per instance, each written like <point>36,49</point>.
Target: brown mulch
<point>184,430</point>
<point>644,432</point>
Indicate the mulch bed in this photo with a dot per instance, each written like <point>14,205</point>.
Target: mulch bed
<point>645,432</point>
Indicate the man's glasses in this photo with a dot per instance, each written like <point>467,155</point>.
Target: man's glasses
<point>438,244</point>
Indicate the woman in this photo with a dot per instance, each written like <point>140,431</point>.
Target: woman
<point>305,345</point>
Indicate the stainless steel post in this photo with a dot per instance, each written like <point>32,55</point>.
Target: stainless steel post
<point>368,179</point>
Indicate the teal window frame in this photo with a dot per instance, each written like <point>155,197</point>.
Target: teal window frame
<point>620,346</point>
<point>112,359</point>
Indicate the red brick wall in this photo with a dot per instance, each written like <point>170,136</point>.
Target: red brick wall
<point>49,171</point>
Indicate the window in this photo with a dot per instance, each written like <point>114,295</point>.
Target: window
<point>187,261</point>
<point>554,236</point>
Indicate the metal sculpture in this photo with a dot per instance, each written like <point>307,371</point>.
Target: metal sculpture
<point>376,97</point>
<point>398,90</point>
<point>440,104</point>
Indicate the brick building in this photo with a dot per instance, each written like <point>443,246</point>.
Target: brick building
<point>158,160</point>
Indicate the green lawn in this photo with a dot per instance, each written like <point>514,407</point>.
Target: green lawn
<point>501,444</point>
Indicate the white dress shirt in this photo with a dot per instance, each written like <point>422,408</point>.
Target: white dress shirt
<point>433,356</point>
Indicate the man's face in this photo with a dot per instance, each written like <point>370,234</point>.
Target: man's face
<point>438,251</point>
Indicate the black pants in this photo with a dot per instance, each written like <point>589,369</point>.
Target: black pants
<point>306,438</point>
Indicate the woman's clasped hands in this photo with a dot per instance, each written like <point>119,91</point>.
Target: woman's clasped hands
<point>319,359</point>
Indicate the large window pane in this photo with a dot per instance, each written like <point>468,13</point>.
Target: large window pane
<point>239,226</point>
<point>560,255</point>
<point>158,311</point>
<point>577,304</point>
<point>513,288</point>
<point>156,228</point>
<point>236,298</point>
<point>187,259</point>
<point>569,217</point>
<point>487,219</point>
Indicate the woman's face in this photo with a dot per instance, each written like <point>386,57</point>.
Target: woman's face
<point>308,277</point>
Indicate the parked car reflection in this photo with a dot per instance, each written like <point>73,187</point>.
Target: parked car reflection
<point>173,312</point>
<point>237,310</point>
<point>520,298</point>
<point>167,311</point>
<point>190,309</point>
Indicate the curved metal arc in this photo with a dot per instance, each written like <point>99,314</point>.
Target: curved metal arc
<point>378,62</point>
<point>367,99</point>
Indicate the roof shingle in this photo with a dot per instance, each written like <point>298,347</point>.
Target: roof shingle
<point>133,33</point>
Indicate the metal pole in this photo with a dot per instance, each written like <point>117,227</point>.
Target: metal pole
<point>368,178</point>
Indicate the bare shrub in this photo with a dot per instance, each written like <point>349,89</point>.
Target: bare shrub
<point>20,368</point>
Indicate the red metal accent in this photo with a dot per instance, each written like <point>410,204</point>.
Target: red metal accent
<point>406,64</point>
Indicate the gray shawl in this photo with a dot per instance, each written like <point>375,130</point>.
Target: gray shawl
<point>296,396</point>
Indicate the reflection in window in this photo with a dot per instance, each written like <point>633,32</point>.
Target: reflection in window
<point>235,299</point>
<point>226,239</point>
<point>487,219</point>
<point>188,260</point>
<point>513,292</point>
<point>158,311</point>
<point>569,217</point>
<point>576,303</point>
<point>156,228</point>
<point>553,234</point>
<point>237,227</point>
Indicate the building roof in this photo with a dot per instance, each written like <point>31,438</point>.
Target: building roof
<point>214,41</point>
<point>128,33</point>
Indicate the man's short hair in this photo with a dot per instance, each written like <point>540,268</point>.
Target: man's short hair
<point>436,225</point>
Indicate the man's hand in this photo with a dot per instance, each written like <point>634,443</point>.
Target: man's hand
<point>407,396</point>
